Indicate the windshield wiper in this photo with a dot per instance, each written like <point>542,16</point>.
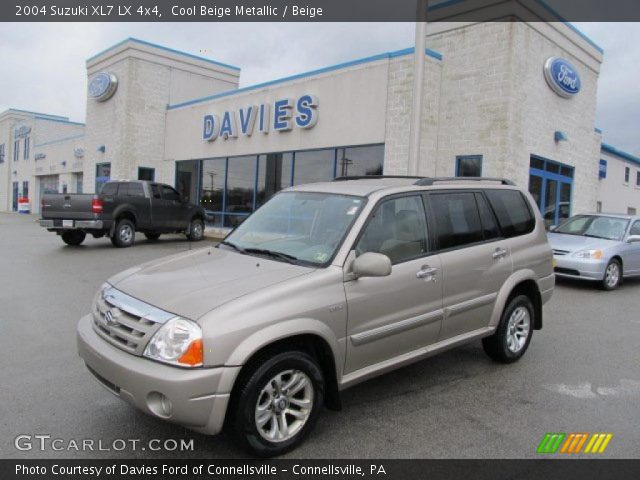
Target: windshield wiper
<point>272,253</point>
<point>232,245</point>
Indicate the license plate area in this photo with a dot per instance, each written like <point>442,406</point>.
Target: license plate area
<point>67,223</point>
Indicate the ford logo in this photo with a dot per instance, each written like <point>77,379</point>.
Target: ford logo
<point>562,77</point>
<point>103,86</point>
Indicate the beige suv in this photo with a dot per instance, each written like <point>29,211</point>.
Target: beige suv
<point>324,286</point>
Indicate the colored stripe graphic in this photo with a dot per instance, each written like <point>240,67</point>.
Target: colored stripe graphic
<point>574,443</point>
<point>551,442</point>
<point>598,443</point>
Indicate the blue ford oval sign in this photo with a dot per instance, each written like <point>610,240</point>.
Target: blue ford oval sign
<point>562,77</point>
<point>103,86</point>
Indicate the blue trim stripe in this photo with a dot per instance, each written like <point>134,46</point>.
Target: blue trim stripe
<point>60,140</point>
<point>543,3</point>
<point>311,73</point>
<point>615,151</point>
<point>597,130</point>
<point>68,122</point>
<point>37,114</point>
<point>166,49</point>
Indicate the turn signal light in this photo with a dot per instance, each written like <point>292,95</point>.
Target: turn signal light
<point>194,355</point>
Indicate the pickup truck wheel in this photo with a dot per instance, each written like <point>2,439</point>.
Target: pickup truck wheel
<point>513,335</point>
<point>124,234</point>
<point>278,403</point>
<point>196,230</point>
<point>152,236</point>
<point>73,237</point>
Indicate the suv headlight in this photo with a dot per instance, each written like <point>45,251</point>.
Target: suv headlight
<point>590,254</point>
<point>177,342</point>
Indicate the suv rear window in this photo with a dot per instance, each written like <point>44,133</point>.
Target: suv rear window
<point>511,208</point>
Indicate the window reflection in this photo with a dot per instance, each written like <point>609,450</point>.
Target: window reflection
<point>274,174</point>
<point>313,166</point>
<point>241,174</point>
<point>211,192</point>
<point>359,161</point>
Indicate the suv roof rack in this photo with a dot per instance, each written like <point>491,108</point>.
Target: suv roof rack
<point>428,181</point>
<point>376,177</point>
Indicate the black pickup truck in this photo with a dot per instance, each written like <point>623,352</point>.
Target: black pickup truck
<point>119,210</point>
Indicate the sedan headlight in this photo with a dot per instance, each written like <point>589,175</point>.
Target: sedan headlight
<point>589,254</point>
<point>177,342</point>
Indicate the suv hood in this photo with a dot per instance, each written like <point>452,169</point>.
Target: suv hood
<point>193,283</point>
<point>574,243</point>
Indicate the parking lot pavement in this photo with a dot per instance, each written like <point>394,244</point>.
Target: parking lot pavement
<point>581,373</point>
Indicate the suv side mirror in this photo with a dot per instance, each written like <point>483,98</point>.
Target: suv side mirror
<point>372,264</point>
<point>633,239</point>
<point>552,228</point>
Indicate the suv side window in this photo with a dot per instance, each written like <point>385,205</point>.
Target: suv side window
<point>169,193</point>
<point>635,228</point>
<point>513,212</point>
<point>456,219</point>
<point>490,228</point>
<point>397,228</point>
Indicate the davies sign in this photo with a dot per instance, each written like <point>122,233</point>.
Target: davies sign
<point>562,77</point>
<point>281,116</point>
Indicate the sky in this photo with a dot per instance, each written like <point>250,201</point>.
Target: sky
<point>43,64</point>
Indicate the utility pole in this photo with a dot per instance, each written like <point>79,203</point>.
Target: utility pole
<point>418,88</point>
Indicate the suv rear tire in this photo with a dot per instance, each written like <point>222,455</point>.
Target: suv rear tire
<point>277,403</point>
<point>196,230</point>
<point>124,234</point>
<point>513,335</point>
<point>73,237</point>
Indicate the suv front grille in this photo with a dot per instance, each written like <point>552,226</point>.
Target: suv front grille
<point>126,322</point>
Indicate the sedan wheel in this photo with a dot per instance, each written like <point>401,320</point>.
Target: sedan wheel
<point>612,275</point>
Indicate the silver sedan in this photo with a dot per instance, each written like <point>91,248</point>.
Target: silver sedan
<point>599,247</point>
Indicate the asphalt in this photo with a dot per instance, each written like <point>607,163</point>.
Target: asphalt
<point>580,374</point>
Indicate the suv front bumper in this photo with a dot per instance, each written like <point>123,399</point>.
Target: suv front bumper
<point>197,398</point>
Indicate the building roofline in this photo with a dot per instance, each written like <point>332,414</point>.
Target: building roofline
<point>542,3</point>
<point>619,153</point>
<point>162,47</point>
<point>381,56</point>
<point>35,114</point>
<point>59,120</point>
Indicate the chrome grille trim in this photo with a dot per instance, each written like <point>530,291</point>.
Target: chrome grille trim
<point>135,307</point>
<point>126,322</point>
<point>560,252</point>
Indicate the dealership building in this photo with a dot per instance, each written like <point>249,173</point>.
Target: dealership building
<point>510,99</point>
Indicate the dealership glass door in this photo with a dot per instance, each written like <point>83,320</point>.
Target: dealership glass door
<point>551,185</point>
<point>14,202</point>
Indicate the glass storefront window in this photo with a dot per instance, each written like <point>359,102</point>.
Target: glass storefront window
<point>187,179</point>
<point>313,166</point>
<point>274,174</point>
<point>469,166</point>
<point>241,174</point>
<point>212,190</point>
<point>360,161</point>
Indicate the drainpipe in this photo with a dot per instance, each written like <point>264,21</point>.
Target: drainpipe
<point>418,87</point>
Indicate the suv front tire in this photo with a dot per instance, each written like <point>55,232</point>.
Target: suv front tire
<point>278,402</point>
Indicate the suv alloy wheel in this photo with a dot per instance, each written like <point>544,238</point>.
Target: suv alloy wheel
<point>513,335</point>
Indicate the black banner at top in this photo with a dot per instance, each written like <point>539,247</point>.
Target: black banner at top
<point>317,10</point>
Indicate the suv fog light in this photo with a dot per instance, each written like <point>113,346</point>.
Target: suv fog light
<point>159,404</point>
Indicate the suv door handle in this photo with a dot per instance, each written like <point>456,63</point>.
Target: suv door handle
<point>499,253</point>
<point>427,272</point>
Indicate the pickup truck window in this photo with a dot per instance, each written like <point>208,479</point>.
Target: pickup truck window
<point>110,188</point>
<point>155,190</point>
<point>169,193</point>
<point>134,190</point>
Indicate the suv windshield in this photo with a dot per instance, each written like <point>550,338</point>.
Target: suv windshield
<point>297,227</point>
<point>610,228</point>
